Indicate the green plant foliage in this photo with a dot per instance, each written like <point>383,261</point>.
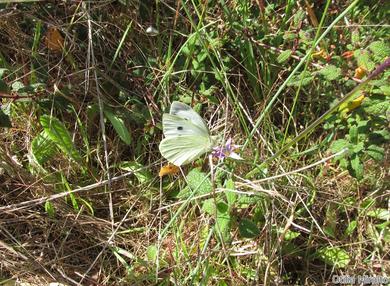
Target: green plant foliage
<point>334,256</point>
<point>49,209</point>
<point>303,79</point>
<point>43,148</point>
<point>351,228</point>
<point>330,72</point>
<point>57,132</point>
<point>119,126</point>
<point>363,120</point>
<point>284,56</point>
<point>152,253</point>
<point>143,174</point>
<point>199,182</point>
<point>5,121</point>
<point>379,213</point>
<point>380,50</point>
<point>248,229</point>
<point>231,197</point>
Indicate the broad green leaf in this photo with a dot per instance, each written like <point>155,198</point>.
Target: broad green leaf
<point>151,253</point>
<point>385,90</point>
<point>231,197</point>
<point>379,213</point>
<point>3,86</point>
<point>290,235</point>
<point>3,71</point>
<point>302,79</point>
<point>199,182</point>
<point>331,72</point>
<point>363,59</point>
<point>376,105</point>
<point>357,167</point>
<point>143,175</point>
<point>284,56</point>
<point>380,50</point>
<point>57,132</point>
<point>339,145</point>
<point>353,134</point>
<point>4,120</point>
<point>248,228</point>
<point>356,148</point>
<point>351,228</point>
<point>334,256</point>
<point>223,222</point>
<point>43,148</point>
<point>208,207</point>
<point>119,126</point>
<point>375,152</point>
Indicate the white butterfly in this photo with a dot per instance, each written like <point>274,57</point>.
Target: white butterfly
<point>186,135</point>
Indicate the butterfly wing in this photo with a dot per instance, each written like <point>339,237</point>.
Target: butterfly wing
<point>180,150</point>
<point>184,111</point>
<point>174,125</point>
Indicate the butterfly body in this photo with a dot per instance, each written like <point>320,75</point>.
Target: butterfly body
<point>186,135</point>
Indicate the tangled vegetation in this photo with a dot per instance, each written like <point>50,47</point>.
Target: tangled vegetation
<point>301,87</point>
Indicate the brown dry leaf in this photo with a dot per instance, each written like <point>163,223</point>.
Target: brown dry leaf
<point>347,54</point>
<point>54,40</point>
<point>320,54</point>
<point>168,170</point>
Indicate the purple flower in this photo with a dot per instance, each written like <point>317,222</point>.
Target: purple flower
<point>222,152</point>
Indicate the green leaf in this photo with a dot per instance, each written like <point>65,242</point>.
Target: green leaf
<point>357,167</point>
<point>363,59</point>
<point>3,72</point>
<point>290,235</point>
<point>231,197</point>
<point>151,253</point>
<point>199,182</point>
<point>248,228</point>
<point>49,209</point>
<point>42,148</point>
<point>143,175</point>
<point>4,120</point>
<point>351,228</point>
<point>119,126</point>
<point>331,72</point>
<point>208,207</point>
<point>376,105</point>
<point>3,86</point>
<point>302,79</point>
<point>385,89</point>
<point>334,256</point>
<point>284,56</point>
<point>339,145</point>
<point>353,134</point>
<point>379,213</point>
<point>356,148</point>
<point>380,50</point>
<point>223,222</point>
<point>57,132</point>
<point>375,152</point>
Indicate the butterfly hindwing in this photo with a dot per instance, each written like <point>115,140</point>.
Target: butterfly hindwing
<point>180,150</point>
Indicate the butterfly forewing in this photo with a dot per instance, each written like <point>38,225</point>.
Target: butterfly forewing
<point>184,111</point>
<point>174,125</point>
